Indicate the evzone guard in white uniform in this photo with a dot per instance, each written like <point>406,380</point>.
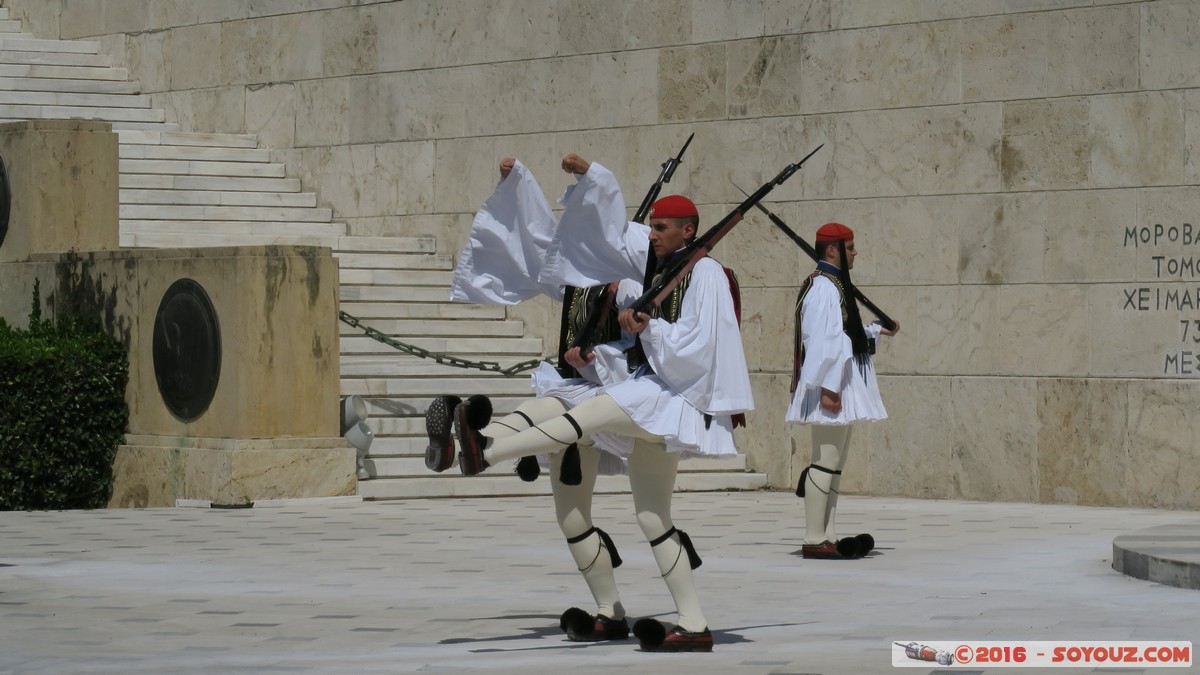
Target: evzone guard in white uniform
<point>503,264</point>
<point>494,270</point>
<point>680,402</point>
<point>834,387</point>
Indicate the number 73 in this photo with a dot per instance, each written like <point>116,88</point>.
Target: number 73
<point>1191,326</point>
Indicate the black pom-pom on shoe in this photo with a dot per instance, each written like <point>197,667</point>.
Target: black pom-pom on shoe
<point>866,543</point>
<point>650,633</point>
<point>479,411</point>
<point>528,469</point>
<point>848,547</point>
<point>576,621</point>
<point>570,472</point>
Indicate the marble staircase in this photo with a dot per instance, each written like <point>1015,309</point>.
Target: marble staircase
<point>186,188</point>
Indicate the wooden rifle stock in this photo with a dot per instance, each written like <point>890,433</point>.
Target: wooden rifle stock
<point>700,247</point>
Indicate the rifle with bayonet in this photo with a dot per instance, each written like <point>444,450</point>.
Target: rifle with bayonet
<point>884,320</point>
<point>599,302</point>
<point>700,247</point>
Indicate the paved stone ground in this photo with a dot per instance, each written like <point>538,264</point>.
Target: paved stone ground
<point>477,585</point>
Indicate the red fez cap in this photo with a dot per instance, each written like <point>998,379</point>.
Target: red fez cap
<point>833,232</point>
<point>673,206</point>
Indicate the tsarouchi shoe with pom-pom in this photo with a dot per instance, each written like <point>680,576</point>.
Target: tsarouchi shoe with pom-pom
<point>654,637</point>
<point>583,627</point>
<point>471,443</point>
<point>439,421</point>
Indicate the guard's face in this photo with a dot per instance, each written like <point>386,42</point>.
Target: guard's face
<point>834,257</point>
<point>668,235</point>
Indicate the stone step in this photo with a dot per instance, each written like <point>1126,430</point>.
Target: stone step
<point>424,389</point>
<point>178,213</point>
<point>51,58</point>
<point>220,198</point>
<point>189,138</point>
<point>116,124</point>
<point>13,29</point>
<point>433,261</point>
<point>398,278</point>
<point>15,44</point>
<point>150,181</point>
<point>492,349</point>
<point>66,85</point>
<point>119,126</point>
<point>55,72</point>
<point>422,294</point>
<point>507,484</point>
<point>232,229</point>
<point>338,244</point>
<point>38,112</point>
<point>422,310</point>
<point>202,168</point>
<point>414,466</point>
<point>354,244</point>
<point>193,152</point>
<point>160,240</point>
<point>410,244</point>
<point>69,99</point>
<point>404,328</point>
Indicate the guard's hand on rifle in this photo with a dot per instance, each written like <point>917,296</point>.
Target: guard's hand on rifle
<point>506,166</point>
<point>895,329</point>
<point>573,163</point>
<point>831,401</point>
<point>577,359</point>
<point>633,322</point>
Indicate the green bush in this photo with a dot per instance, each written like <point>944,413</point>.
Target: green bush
<point>62,413</point>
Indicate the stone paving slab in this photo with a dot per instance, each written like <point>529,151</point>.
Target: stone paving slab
<point>477,585</point>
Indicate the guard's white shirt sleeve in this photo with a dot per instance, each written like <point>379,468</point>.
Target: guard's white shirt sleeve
<point>829,363</point>
<point>700,356</point>
<point>504,257</point>
<point>827,349</point>
<point>594,243</point>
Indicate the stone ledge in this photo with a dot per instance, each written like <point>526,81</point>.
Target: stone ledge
<point>1168,554</point>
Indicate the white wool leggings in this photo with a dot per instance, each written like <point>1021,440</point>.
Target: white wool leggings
<point>572,503</point>
<point>652,473</point>
<point>830,447</point>
<point>599,413</point>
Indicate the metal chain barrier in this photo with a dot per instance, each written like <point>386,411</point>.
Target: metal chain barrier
<point>444,359</point>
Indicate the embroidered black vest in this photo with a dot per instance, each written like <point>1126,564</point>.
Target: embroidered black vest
<point>578,304</point>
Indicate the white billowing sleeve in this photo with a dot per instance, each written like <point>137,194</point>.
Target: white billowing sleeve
<point>827,349</point>
<point>594,243</point>
<point>700,356</point>
<point>501,263</point>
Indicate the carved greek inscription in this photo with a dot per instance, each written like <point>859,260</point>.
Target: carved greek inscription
<point>1175,267</point>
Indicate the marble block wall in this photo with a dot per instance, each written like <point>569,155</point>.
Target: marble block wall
<point>1024,177</point>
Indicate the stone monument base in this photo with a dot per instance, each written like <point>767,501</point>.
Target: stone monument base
<point>153,471</point>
